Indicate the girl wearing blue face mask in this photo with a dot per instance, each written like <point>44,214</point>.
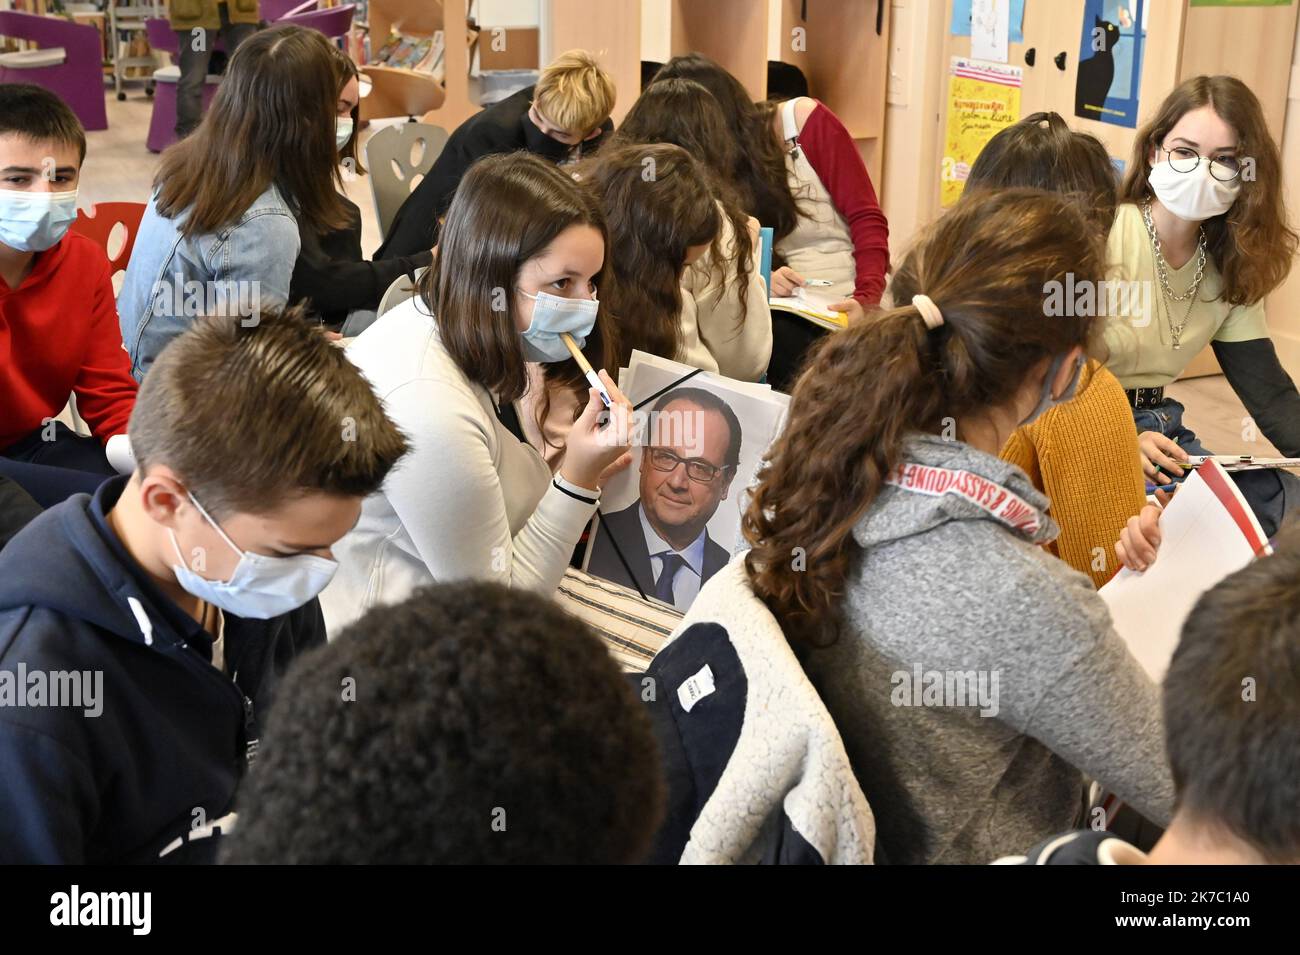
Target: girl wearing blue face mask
<point>332,276</point>
<point>521,255</point>
<point>658,230</point>
<point>1203,225</point>
<point>923,551</point>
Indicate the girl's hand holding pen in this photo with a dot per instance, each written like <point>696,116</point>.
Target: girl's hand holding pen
<point>596,447</point>
<point>784,281</point>
<point>1161,457</point>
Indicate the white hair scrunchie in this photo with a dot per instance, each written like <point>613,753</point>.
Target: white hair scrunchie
<point>930,313</point>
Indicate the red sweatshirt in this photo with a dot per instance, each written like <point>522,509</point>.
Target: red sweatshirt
<point>835,158</point>
<point>59,335</point>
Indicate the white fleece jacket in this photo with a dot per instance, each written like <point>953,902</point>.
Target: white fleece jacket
<point>789,763</point>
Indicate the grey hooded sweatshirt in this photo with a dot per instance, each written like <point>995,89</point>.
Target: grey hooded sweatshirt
<point>951,601</point>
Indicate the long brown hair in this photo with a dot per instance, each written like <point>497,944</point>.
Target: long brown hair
<point>507,209</point>
<point>759,172</point>
<point>684,113</point>
<point>271,122</point>
<point>1252,243</point>
<point>658,202</point>
<point>346,71</point>
<point>986,264</point>
<point>1043,152</point>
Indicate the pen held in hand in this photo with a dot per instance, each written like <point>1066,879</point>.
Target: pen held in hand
<point>587,370</point>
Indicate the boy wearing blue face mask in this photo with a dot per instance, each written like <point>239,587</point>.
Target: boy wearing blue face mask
<point>58,322</point>
<point>143,630</point>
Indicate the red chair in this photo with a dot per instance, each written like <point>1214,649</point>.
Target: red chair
<point>99,227</point>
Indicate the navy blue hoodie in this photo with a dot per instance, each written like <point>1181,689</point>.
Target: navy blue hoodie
<point>148,777</point>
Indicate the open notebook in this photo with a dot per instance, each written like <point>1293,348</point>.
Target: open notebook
<point>1207,532</point>
<point>813,305</point>
<point>807,302</point>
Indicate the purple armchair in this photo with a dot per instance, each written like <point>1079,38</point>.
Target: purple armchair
<point>162,123</point>
<point>273,10</point>
<point>77,76</point>
<point>334,22</point>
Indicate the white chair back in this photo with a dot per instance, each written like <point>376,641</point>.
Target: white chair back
<point>397,158</point>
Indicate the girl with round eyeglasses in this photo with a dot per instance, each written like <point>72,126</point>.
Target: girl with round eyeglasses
<point>1203,227</point>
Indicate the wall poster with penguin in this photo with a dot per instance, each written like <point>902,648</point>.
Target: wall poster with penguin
<point>1110,61</point>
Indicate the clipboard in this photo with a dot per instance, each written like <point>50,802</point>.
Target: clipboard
<point>1240,462</point>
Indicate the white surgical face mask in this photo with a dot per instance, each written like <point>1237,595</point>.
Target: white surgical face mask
<point>552,315</point>
<point>35,221</point>
<point>342,132</point>
<point>1194,196</point>
<point>261,587</point>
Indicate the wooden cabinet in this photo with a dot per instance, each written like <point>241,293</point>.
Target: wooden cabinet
<point>610,29</point>
<point>843,50</point>
<point>842,47</point>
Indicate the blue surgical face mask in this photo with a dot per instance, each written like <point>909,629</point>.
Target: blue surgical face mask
<point>342,132</point>
<point>35,221</point>
<point>1046,400</point>
<point>553,314</point>
<point>261,587</point>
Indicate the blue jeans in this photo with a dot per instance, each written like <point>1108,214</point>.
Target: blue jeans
<point>51,471</point>
<point>1270,494</point>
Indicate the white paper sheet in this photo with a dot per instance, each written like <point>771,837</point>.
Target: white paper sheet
<point>990,24</point>
<point>1207,532</point>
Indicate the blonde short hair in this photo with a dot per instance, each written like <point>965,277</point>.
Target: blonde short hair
<point>574,93</point>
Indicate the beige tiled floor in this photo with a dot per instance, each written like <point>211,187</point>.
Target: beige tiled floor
<point>1216,415</point>
<point>119,167</point>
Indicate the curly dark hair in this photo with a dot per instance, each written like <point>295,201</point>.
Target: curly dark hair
<point>486,725</point>
<point>759,173</point>
<point>865,390</point>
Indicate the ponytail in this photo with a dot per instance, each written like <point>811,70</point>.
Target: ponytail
<point>804,508</point>
<point>984,269</point>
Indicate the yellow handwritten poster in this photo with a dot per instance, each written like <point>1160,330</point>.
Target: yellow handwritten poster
<point>983,99</point>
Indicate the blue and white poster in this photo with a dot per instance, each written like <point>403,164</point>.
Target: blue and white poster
<point>1110,61</point>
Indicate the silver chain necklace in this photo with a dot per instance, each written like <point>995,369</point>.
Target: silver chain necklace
<point>1162,273</point>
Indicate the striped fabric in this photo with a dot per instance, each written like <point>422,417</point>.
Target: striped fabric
<point>633,629</point>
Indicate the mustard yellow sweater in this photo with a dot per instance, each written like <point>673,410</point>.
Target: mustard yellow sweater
<point>1083,455</point>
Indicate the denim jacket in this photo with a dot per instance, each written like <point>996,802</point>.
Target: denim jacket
<point>171,280</point>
